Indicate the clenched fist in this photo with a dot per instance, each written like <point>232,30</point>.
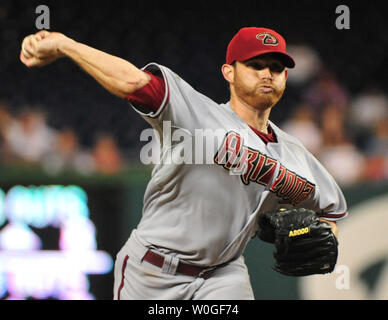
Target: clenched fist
<point>42,48</point>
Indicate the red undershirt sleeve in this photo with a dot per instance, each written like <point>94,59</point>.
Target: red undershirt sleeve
<point>149,98</point>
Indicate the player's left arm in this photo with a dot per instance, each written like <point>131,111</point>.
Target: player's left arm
<point>304,243</point>
<point>328,199</point>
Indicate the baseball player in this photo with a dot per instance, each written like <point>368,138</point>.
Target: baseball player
<point>198,218</point>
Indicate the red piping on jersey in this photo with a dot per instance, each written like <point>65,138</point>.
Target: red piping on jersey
<point>122,276</point>
<point>334,216</point>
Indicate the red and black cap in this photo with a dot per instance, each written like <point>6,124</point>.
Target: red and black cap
<point>250,42</point>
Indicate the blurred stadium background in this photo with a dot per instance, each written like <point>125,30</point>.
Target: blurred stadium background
<point>71,178</point>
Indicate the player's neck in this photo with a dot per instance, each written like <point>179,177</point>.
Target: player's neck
<point>254,117</point>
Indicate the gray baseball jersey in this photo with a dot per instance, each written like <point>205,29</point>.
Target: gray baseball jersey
<point>203,200</point>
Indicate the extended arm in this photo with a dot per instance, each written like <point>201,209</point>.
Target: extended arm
<point>117,75</point>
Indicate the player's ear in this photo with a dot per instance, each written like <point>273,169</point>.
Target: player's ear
<point>228,72</point>
<point>286,73</point>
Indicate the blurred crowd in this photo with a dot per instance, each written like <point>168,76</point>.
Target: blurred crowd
<point>342,120</point>
<point>26,139</point>
<point>332,105</point>
<point>347,133</point>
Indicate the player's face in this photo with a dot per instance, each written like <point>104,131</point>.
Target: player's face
<point>260,81</point>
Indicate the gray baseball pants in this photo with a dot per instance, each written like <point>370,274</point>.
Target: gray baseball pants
<point>137,279</point>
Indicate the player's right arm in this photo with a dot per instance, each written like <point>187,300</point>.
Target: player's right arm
<point>117,75</point>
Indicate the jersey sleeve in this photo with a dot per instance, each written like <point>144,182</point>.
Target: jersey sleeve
<point>150,100</point>
<point>328,200</point>
<point>180,103</point>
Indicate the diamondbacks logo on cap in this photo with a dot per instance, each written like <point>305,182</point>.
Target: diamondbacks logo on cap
<point>267,39</point>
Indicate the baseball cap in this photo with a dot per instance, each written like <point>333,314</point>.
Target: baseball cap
<point>250,42</point>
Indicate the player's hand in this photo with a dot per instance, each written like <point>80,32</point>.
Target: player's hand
<point>41,48</point>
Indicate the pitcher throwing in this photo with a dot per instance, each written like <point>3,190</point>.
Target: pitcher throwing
<point>198,218</point>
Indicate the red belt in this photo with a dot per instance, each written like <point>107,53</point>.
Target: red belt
<point>182,268</point>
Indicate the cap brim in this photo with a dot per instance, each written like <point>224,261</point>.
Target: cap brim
<point>286,58</point>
